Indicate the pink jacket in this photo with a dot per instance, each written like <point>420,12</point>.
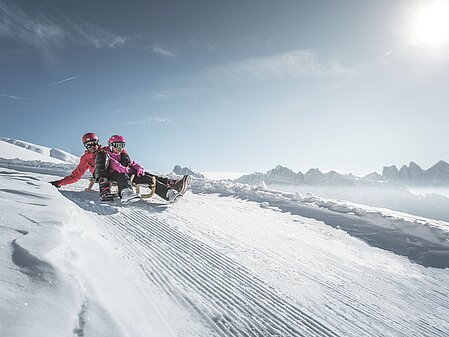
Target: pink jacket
<point>115,165</point>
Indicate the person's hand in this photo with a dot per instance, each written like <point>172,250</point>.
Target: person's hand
<point>140,172</point>
<point>55,183</point>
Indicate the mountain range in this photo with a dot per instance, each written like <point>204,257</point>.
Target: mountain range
<point>411,175</point>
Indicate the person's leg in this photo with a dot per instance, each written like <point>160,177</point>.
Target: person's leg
<point>146,179</point>
<point>180,185</point>
<point>161,187</point>
<point>104,186</point>
<point>161,183</point>
<point>101,165</point>
<point>101,174</point>
<point>122,180</point>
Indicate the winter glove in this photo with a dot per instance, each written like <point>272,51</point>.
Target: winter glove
<point>55,183</point>
<point>137,169</point>
<point>140,172</point>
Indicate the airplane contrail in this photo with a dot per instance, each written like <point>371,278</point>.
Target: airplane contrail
<point>59,82</point>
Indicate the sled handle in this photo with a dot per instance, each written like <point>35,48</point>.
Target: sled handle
<point>153,189</point>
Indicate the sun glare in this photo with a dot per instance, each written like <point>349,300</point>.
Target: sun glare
<point>431,24</point>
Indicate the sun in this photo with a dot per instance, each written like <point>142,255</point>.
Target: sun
<point>431,24</point>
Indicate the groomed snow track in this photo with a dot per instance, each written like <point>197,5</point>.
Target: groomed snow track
<point>225,294</point>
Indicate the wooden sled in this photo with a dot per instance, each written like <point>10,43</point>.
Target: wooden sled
<point>144,196</point>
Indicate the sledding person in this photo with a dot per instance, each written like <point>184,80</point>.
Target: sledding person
<point>118,161</point>
<point>107,169</point>
<point>87,161</point>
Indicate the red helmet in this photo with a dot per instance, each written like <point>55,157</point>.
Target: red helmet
<point>90,136</point>
<point>116,139</point>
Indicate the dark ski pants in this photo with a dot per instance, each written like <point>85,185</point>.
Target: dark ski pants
<point>161,183</point>
<point>102,171</point>
<point>122,180</point>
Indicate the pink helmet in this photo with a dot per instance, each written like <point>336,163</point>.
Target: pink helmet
<point>116,139</point>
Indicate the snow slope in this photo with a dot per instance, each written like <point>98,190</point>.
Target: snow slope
<point>226,260</point>
<point>24,156</point>
<point>13,148</point>
<point>423,240</point>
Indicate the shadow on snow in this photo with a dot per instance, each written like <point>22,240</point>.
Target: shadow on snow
<point>90,201</point>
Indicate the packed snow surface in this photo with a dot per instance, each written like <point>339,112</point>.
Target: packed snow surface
<point>226,260</point>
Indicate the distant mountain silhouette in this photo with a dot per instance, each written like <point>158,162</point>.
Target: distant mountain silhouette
<point>414,175</point>
<point>186,170</point>
<point>411,175</point>
<point>281,175</point>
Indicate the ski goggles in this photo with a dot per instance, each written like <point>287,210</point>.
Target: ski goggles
<point>118,145</point>
<point>90,144</point>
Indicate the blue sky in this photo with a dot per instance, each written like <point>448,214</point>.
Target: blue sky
<point>230,85</point>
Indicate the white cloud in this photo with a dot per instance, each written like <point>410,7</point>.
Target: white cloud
<point>160,96</point>
<point>151,120</point>
<point>38,32</point>
<point>292,64</point>
<point>210,48</point>
<point>13,97</point>
<point>96,36</point>
<point>159,119</point>
<point>45,33</point>
<point>162,51</point>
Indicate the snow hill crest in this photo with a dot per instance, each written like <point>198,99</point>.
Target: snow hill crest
<point>44,153</point>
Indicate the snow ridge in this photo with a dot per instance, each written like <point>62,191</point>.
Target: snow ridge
<point>424,241</point>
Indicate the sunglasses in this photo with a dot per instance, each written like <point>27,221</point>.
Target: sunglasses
<point>90,144</point>
<point>118,145</point>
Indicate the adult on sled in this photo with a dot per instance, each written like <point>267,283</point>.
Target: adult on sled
<point>87,161</point>
<point>118,161</point>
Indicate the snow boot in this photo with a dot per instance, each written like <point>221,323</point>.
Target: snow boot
<point>128,195</point>
<point>105,189</point>
<point>180,185</point>
<point>173,195</point>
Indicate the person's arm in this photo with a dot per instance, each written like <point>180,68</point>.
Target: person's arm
<point>76,175</point>
<point>136,168</point>
<point>116,166</point>
<point>125,160</point>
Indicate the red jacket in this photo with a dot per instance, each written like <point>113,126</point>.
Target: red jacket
<point>87,162</point>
